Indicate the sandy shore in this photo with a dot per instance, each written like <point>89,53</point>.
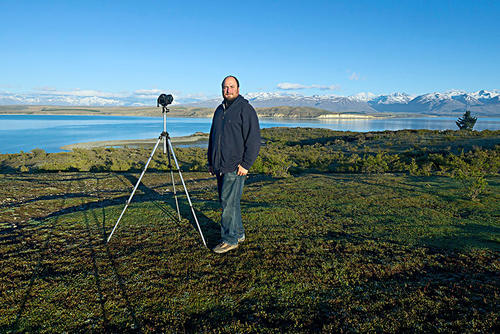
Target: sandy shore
<point>348,116</point>
<point>196,138</point>
<point>282,112</point>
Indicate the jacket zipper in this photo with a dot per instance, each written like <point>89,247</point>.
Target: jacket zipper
<point>220,135</point>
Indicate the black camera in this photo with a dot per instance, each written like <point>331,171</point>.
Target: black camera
<point>164,100</point>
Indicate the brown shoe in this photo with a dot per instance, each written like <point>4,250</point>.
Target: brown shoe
<point>223,247</point>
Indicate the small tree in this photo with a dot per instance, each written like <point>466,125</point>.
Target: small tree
<point>466,122</point>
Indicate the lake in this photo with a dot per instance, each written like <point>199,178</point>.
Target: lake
<point>48,132</point>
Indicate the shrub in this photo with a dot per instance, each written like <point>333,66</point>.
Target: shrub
<point>275,164</point>
<point>298,150</point>
<point>374,163</point>
<point>471,175</point>
<point>466,122</point>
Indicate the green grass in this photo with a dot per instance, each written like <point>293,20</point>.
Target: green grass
<point>324,253</point>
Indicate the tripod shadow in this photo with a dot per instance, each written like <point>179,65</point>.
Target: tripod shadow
<point>47,266</point>
<point>209,228</point>
<point>121,282</point>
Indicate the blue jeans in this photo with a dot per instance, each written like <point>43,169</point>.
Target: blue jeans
<point>230,186</point>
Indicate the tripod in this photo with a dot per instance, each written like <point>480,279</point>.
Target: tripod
<point>168,150</point>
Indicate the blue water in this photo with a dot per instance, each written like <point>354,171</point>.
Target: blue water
<point>27,132</point>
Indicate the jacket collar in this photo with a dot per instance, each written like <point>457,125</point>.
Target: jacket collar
<point>236,101</point>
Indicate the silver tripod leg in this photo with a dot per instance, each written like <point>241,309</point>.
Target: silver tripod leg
<point>175,196</point>
<point>185,189</point>
<point>135,188</point>
<point>172,175</point>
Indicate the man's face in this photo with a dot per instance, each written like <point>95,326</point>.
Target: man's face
<point>230,89</point>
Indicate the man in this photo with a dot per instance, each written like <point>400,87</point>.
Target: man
<point>232,149</point>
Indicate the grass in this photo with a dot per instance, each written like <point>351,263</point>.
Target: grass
<point>324,253</point>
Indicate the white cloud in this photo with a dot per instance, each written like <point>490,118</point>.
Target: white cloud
<point>45,89</point>
<point>153,91</point>
<point>79,93</point>
<point>289,85</point>
<point>152,94</point>
<point>354,76</point>
<point>331,87</point>
<point>199,96</point>
<point>296,86</point>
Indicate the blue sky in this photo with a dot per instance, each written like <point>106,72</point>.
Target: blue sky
<point>306,47</point>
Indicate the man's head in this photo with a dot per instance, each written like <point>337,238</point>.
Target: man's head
<point>230,88</point>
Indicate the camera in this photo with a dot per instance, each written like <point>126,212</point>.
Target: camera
<point>164,100</point>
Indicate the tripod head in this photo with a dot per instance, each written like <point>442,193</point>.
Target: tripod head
<point>164,100</point>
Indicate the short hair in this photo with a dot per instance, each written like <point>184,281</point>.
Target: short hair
<point>231,76</point>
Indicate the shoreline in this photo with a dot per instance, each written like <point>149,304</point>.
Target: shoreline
<point>281,116</point>
<point>281,112</point>
<point>197,138</point>
<point>180,115</point>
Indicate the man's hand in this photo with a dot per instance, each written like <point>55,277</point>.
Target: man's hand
<point>241,171</point>
<point>211,170</point>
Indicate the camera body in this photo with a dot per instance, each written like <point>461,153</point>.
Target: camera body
<point>164,100</point>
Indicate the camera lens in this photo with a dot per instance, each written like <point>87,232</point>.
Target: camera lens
<point>165,100</point>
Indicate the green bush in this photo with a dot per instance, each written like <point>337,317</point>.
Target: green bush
<point>274,164</point>
<point>288,151</point>
<point>471,169</point>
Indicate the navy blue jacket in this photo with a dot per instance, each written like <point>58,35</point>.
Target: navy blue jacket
<point>234,137</point>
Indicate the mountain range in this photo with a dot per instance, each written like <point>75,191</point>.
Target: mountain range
<point>481,103</point>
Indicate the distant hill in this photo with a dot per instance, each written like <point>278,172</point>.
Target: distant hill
<point>453,103</point>
<point>176,111</point>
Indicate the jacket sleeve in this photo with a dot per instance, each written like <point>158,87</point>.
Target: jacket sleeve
<point>210,145</point>
<point>251,136</point>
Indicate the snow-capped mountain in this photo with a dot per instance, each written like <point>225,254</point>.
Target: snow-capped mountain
<point>60,100</point>
<point>363,97</point>
<point>453,102</point>
<point>449,103</point>
<point>486,97</point>
<point>395,98</point>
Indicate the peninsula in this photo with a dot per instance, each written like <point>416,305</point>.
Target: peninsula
<point>285,112</point>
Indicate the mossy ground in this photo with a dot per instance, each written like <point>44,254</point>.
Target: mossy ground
<point>324,252</point>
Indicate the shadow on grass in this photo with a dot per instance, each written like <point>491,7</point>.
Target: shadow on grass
<point>263,179</point>
<point>463,237</point>
<point>119,279</point>
<point>270,318</point>
<point>90,246</point>
<point>470,235</point>
<point>20,177</point>
<point>42,268</point>
<point>38,270</point>
<point>46,198</point>
<point>147,195</point>
<point>359,238</point>
<point>207,225</point>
